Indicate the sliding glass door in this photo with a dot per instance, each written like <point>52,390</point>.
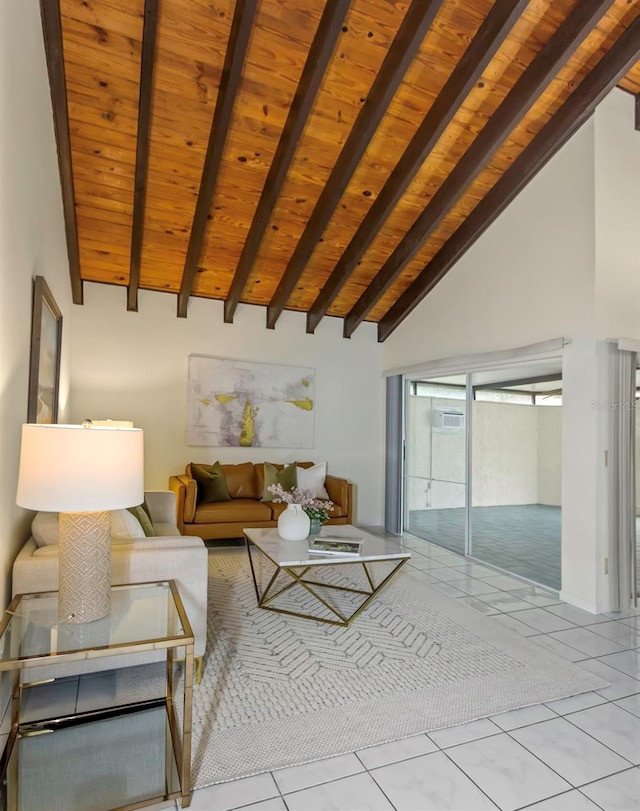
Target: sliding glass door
<point>516,473</point>
<point>482,466</point>
<point>435,462</point>
<point>636,557</point>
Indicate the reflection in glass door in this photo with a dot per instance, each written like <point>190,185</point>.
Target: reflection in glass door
<point>516,473</point>
<point>482,467</point>
<point>435,461</point>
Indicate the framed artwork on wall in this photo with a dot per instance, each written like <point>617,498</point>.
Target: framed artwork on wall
<point>245,404</point>
<point>44,364</point>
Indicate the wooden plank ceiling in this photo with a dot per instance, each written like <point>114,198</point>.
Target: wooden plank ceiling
<point>334,158</point>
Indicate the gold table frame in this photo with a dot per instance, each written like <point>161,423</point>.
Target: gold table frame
<point>266,598</point>
<point>170,642</point>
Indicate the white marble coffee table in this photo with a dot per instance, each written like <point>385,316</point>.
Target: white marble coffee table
<point>294,559</point>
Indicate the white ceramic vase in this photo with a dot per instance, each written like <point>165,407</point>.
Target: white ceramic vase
<point>293,523</point>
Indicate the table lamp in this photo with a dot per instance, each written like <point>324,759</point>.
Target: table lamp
<point>81,472</point>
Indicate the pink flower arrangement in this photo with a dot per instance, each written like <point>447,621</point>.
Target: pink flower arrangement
<point>314,507</point>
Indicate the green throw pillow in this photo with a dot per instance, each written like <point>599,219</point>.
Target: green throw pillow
<point>212,485</point>
<point>287,477</point>
<point>141,512</point>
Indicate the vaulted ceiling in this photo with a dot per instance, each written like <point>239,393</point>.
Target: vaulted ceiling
<point>335,158</point>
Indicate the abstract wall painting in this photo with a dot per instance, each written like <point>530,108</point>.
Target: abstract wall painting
<point>241,404</point>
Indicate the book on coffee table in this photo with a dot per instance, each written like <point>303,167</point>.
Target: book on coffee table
<point>335,546</point>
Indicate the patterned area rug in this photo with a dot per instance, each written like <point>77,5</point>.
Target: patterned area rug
<point>279,690</point>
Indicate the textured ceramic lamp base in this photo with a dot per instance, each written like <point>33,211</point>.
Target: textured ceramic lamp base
<point>84,566</point>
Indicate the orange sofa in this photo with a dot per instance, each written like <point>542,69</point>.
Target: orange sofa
<point>245,482</point>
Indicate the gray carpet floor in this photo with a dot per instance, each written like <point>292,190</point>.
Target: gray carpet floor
<point>521,538</point>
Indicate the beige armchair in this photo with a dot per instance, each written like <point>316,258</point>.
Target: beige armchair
<point>167,556</point>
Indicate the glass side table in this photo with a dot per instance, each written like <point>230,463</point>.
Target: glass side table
<point>118,757</point>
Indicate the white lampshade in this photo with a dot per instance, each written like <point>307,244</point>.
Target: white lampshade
<point>72,469</point>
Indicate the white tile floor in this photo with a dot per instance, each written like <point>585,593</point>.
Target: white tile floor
<point>576,754</point>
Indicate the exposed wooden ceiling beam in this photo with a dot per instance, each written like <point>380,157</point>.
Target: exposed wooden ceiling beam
<point>482,49</point>
<point>412,31</point>
<point>52,30</point>
<point>229,83</point>
<point>569,118</point>
<point>318,58</point>
<point>149,29</point>
<point>525,92</point>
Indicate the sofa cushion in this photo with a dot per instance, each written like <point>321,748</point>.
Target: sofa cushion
<point>338,511</point>
<point>259,471</point>
<point>277,508</point>
<point>44,527</point>
<point>241,480</point>
<point>165,529</point>
<point>278,474</point>
<point>211,481</point>
<point>238,509</point>
<point>312,478</point>
<point>141,512</point>
<point>190,496</point>
<point>125,525</point>
<point>48,551</point>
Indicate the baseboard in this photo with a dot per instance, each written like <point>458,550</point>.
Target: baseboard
<point>578,602</point>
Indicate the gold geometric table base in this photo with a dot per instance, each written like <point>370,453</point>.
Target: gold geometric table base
<point>266,598</point>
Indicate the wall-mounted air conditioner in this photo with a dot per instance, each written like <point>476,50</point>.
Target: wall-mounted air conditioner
<point>448,419</point>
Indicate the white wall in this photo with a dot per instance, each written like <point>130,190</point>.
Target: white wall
<point>617,206</point>
<point>549,455</point>
<point>562,260</point>
<point>530,277</point>
<point>516,453</point>
<point>617,236</point>
<point>586,477</point>
<point>31,243</point>
<point>134,366</point>
<point>435,459</point>
<point>504,454</point>
<point>617,244</point>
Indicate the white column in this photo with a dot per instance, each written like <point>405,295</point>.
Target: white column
<point>586,475</point>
